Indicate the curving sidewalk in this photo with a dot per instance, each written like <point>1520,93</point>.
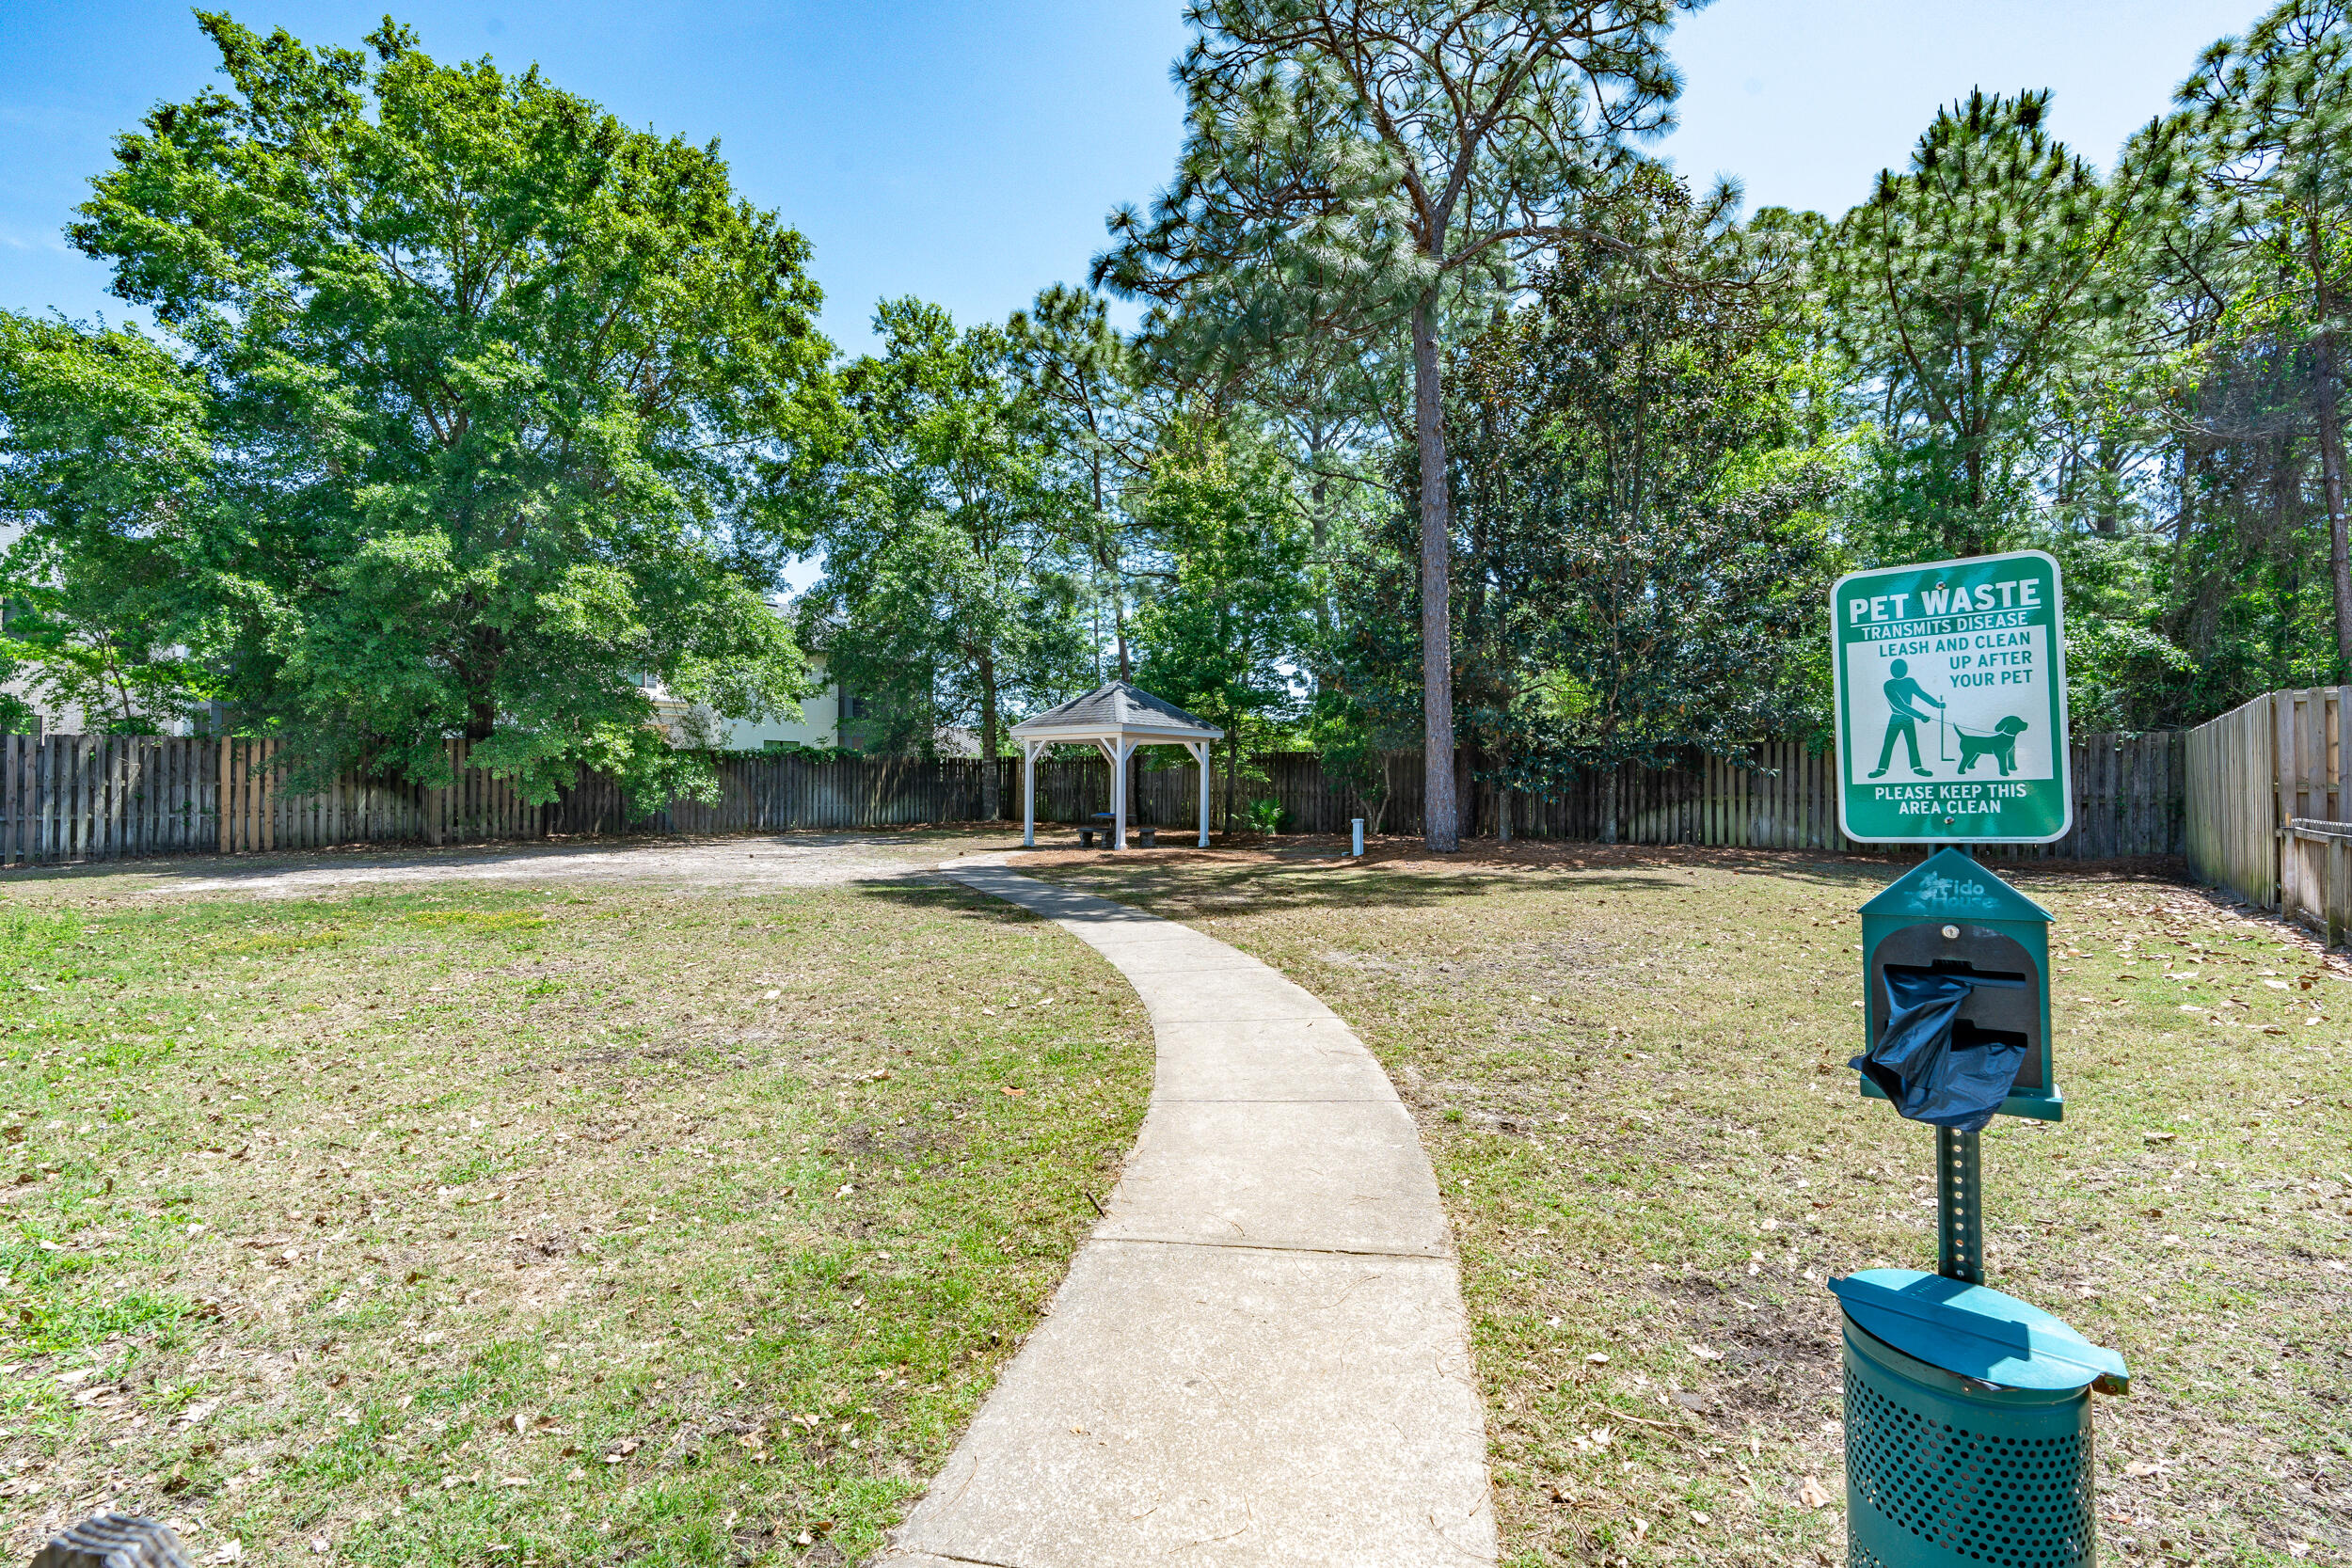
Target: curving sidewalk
<point>1260,1356</point>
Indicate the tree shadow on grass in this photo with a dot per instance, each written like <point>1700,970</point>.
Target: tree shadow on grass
<point>1268,881</point>
<point>1271,877</point>
<point>1242,887</point>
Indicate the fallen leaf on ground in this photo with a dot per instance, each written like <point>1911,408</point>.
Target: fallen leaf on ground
<point>1812,1494</point>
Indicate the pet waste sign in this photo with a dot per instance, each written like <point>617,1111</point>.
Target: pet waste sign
<point>1951,702</point>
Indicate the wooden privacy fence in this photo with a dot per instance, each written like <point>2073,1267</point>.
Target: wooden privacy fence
<point>85,798</point>
<point>82,797</point>
<point>98,796</point>
<point>88,797</point>
<point>255,810</point>
<point>767,794</point>
<point>2269,807</point>
<point>1780,795</point>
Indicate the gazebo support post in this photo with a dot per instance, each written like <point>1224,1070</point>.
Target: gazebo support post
<point>1028,794</point>
<point>1199,749</point>
<point>1122,750</point>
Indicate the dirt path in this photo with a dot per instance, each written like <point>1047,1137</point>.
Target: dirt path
<point>741,862</point>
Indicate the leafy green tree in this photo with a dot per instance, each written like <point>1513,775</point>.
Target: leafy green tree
<point>1220,635</point>
<point>504,409</point>
<point>1083,385</point>
<point>1352,165</point>
<point>1645,549</point>
<point>1967,291</point>
<point>2271,115</point>
<point>949,563</point>
<point>2237,597</point>
<point>108,447</point>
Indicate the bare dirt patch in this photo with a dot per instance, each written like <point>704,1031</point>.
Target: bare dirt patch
<point>750,862</point>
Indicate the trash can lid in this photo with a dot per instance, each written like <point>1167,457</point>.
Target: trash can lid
<point>1977,1333</point>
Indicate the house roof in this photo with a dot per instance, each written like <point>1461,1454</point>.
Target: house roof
<point>1123,707</point>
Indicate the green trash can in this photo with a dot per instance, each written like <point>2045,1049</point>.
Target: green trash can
<point>1968,1439</point>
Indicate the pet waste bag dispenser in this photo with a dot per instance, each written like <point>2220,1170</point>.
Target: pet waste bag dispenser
<point>1968,1438</point>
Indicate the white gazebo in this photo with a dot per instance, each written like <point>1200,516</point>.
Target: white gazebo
<point>1115,720</point>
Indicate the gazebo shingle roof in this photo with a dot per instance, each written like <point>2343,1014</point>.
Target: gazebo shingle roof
<point>1119,704</point>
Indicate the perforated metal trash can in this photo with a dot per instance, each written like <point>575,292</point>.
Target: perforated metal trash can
<point>1945,1467</point>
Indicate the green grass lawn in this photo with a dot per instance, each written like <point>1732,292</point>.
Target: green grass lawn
<point>575,1223</point>
<point>1629,1069</point>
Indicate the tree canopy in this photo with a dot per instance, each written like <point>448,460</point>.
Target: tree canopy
<point>474,411</point>
<point>1349,166</point>
<point>1454,421</point>
<point>955,547</point>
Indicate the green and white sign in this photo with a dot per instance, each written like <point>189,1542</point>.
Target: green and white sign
<point>1951,702</point>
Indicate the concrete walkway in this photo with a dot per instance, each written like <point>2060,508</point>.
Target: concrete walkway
<point>1258,1358</point>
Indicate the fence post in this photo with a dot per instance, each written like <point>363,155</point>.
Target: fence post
<point>2337,887</point>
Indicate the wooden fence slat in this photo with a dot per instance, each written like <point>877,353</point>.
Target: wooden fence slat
<point>95,797</point>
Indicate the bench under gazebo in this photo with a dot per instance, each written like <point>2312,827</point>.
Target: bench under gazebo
<point>1114,720</point>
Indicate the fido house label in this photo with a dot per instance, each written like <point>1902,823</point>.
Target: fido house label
<point>1951,702</point>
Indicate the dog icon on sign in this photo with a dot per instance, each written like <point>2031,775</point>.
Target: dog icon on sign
<point>1999,743</point>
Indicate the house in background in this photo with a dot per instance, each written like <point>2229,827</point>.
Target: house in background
<point>819,724</point>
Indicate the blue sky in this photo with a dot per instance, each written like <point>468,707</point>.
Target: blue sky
<point>968,153</point>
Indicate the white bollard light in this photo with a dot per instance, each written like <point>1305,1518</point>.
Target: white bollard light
<point>1359,851</point>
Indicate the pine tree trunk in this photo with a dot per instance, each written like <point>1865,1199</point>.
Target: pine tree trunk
<point>2339,536</point>
<point>1318,504</point>
<point>1233,767</point>
<point>2332,474</point>
<point>1440,808</point>
<point>991,796</point>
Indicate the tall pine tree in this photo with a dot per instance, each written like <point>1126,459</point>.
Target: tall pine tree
<point>1965,289</point>
<point>2272,114</point>
<point>1351,164</point>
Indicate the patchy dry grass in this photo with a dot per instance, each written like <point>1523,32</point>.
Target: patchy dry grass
<point>576,1225</point>
<point>1629,1070</point>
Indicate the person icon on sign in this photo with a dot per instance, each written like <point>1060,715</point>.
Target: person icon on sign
<point>1904,721</point>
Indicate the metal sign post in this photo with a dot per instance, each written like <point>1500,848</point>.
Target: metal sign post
<point>1960,1204</point>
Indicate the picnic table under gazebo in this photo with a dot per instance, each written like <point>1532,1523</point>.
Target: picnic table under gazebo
<point>1114,719</point>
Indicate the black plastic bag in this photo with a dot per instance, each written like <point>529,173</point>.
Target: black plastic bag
<point>1916,1062</point>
